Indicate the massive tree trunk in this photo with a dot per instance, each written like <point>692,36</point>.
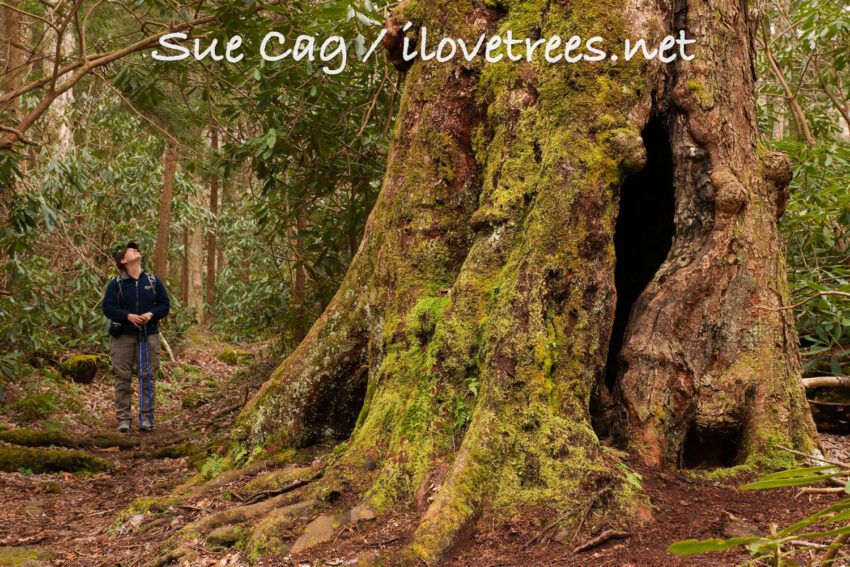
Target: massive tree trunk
<point>533,218</point>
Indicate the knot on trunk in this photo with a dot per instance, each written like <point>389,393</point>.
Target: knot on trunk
<point>627,144</point>
<point>730,193</point>
<point>777,174</point>
<point>398,25</point>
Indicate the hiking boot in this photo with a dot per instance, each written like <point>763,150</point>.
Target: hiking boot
<point>146,424</point>
<point>124,427</point>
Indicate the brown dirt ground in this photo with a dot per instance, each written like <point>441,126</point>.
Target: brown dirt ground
<point>76,521</point>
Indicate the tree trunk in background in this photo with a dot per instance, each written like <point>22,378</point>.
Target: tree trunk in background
<point>57,130</point>
<point>211,252</point>
<point>532,218</point>
<point>195,261</point>
<point>169,163</point>
<point>299,279</point>
<point>225,198</point>
<point>184,266</point>
<point>12,56</point>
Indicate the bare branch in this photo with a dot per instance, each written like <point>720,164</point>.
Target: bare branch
<point>18,134</point>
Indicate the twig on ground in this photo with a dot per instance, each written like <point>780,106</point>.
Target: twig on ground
<point>554,523</point>
<point>811,490</point>
<point>600,539</point>
<point>590,506</point>
<point>803,543</point>
<point>282,490</point>
<point>843,466</point>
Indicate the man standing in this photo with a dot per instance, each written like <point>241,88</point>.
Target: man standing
<point>134,302</point>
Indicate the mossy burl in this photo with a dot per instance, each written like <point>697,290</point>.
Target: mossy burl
<point>82,368</point>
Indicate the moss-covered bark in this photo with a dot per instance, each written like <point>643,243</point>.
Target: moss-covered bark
<point>14,459</point>
<point>461,353</point>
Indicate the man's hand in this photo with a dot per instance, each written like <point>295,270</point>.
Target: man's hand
<point>147,317</point>
<point>137,320</point>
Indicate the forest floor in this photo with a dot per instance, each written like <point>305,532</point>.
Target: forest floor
<point>73,519</point>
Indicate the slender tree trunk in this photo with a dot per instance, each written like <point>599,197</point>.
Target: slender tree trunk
<point>532,218</point>
<point>58,128</point>
<point>211,234</point>
<point>184,266</point>
<point>12,56</point>
<point>195,261</point>
<point>169,162</point>
<point>226,190</point>
<point>299,278</point>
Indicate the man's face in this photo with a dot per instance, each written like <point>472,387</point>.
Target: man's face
<point>130,255</point>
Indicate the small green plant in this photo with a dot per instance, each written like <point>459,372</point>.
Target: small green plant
<point>212,467</point>
<point>776,548</point>
<point>25,471</point>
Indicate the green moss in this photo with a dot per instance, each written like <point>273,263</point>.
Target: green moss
<point>235,356</point>
<point>29,438</point>
<point>17,556</point>
<point>704,95</point>
<point>13,459</point>
<point>192,401</point>
<point>143,506</point>
<point>51,487</point>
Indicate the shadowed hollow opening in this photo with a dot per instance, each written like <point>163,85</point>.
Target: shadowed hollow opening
<point>643,233</point>
<point>710,448</point>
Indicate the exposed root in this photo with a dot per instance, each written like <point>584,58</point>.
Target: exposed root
<point>176,554</point>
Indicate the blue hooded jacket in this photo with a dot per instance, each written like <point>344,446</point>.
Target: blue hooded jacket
<point>137,296</point>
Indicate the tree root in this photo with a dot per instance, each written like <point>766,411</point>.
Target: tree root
<point>38,461</point>
<point>173,555</point>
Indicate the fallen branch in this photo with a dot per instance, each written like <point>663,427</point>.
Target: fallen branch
<point>600,539</point>
<point>224,411</point>
<point>811,490</point>
<point>825,381</point>
<point>842,466</point>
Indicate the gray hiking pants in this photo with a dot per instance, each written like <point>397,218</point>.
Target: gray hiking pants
<point>124,355</point>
